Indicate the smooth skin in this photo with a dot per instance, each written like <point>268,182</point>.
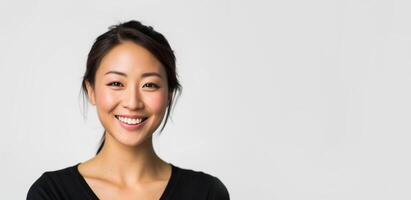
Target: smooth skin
<point>127,166</point>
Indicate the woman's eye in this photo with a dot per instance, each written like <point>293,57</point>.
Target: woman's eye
<point>151,85</point>
<point>116,84</point>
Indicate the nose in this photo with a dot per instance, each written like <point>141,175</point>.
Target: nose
<point>132,99</point>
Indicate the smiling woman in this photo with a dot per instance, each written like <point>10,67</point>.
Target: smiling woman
<point>131,79</point>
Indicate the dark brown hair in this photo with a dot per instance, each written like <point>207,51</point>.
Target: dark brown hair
<point>144,36</point>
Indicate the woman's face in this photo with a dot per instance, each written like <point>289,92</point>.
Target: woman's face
<point>130,86</point>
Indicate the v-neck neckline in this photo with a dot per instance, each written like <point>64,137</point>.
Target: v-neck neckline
<point>165,195</point>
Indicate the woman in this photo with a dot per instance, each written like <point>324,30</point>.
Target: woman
<point>131,79</point>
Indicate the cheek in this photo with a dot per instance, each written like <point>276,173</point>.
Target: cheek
<point>106,100</point>
<point>157,102</point>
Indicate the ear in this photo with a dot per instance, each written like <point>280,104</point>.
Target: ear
<point>91,93</point>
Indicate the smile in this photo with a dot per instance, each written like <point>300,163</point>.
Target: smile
<point>131,121</point>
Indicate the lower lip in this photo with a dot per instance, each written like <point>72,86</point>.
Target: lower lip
<point>131,127</point>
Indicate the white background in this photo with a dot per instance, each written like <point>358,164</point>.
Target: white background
<point>282,100</point>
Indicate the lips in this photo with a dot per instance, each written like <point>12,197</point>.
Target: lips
<point>139,118</point>
<point>131,124</point>
<point>131,116</point>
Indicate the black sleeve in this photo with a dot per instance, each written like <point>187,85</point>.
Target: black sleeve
<point>218,191</point>
<point>40,190</point>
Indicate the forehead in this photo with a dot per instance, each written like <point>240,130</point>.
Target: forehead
<point>130,58</point>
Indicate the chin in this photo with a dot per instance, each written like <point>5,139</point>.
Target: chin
<point>136,137</point>
<point>129,140</point>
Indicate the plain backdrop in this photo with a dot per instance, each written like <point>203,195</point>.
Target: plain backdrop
<point>283,100</point>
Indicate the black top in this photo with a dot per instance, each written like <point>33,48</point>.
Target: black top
<point>184,184</point>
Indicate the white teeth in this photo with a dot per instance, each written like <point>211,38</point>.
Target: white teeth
<point>130,120</point>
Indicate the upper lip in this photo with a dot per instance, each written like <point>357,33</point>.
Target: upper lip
<point>131,116</point>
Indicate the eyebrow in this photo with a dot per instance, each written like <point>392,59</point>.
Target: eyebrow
<point>143,75</point>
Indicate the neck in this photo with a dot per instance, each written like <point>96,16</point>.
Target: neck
<point>128,165</point>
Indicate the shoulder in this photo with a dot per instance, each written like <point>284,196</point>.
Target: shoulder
<point>200,182</point>
<point>50,184</point>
